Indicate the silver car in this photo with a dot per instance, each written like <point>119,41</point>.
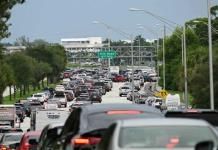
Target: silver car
<point>124,90</point>
<point>157,134</point>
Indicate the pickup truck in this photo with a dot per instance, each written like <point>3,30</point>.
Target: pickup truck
<point>61,96</point>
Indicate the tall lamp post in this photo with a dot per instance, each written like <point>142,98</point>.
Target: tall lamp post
<point>210,28</point>
<point>210,56</point>
<point>109,43</point>
<point>157,46</point>
<point>171,24</point>
<point>128,36</point>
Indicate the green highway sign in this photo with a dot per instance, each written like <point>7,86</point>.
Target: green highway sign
<point>107,54</point>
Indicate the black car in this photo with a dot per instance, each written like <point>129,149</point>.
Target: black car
<point>100,89</point>
<point>95,96</point>
<point>101,84</point>
<point>86,125</point>
<point>80,89</point>
<point>20,113</point>
<point>26,107</point>
<point>48,136</point>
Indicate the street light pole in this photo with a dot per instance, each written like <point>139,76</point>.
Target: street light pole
<point>109,46</point>
<point>132,65</point>
<point>164,77</point>
<point>210,57</point>
<point>185,66</point>
<point>139,58</point>
<point>157,53</point>
<point>157,46</point>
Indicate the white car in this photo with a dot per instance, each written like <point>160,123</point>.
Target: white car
<point>137,83</point>
<point>157,102</point>
<point>59,88</point>
<point>158,134</point>
<point>61,96</point>
<point>66,81</point>
<point>40,96</point>
<point>124,90</point>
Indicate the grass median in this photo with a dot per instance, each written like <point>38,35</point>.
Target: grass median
<point>6,99</point>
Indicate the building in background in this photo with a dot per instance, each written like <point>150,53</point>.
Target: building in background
<point>91,44</point>
<point>13,49</point>
<point>81,50</point>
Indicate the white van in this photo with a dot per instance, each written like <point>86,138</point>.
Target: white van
<point>172,101</point>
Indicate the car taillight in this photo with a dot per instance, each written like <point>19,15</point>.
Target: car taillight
<point>3,147</point>
<point>85,141</point>
<point>120,112</point>
<point>192,110</point>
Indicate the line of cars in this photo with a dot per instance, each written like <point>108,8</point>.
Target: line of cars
<point>122,127</point>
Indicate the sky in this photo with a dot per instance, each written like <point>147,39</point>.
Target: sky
<point>52,20</point>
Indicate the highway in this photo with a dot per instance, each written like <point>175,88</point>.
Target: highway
<point>110,97</point>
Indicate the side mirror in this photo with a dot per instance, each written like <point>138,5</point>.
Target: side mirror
<point>206,145</point>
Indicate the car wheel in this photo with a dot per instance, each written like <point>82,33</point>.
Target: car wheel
<point>120,95</point>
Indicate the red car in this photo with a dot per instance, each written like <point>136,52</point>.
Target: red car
<point>29,140</point>
<point>119,78</point>
<point>67,74</point>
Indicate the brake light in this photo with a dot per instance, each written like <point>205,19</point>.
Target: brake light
<point>3,147</point>
<point>119,112</point>
<point>192,110</point>
<point>174,140</point>
<point>81,141</point>
<point>86,141</point>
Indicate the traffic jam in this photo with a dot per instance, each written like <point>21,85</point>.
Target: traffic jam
<point>73,116</point>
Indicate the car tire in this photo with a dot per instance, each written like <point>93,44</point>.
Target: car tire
<point>120,95</point>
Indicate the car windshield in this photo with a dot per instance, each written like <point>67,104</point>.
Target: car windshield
<point>164,136</point>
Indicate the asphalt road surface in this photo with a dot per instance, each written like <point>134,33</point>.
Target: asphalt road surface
<point>113,95</point>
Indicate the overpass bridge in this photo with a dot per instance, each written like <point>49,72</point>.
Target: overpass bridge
<point>141,55</point>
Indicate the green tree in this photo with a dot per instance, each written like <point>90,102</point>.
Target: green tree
<point>5,14</point>
<point>54,55</point>
<point>23,69</point>
<point>4,78</point>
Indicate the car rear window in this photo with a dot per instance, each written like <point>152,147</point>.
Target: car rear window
<point>37,95</point>
<point>164,136</point>
<point>104,119</point>
<point>125,88</point>
<point>12,137</point>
